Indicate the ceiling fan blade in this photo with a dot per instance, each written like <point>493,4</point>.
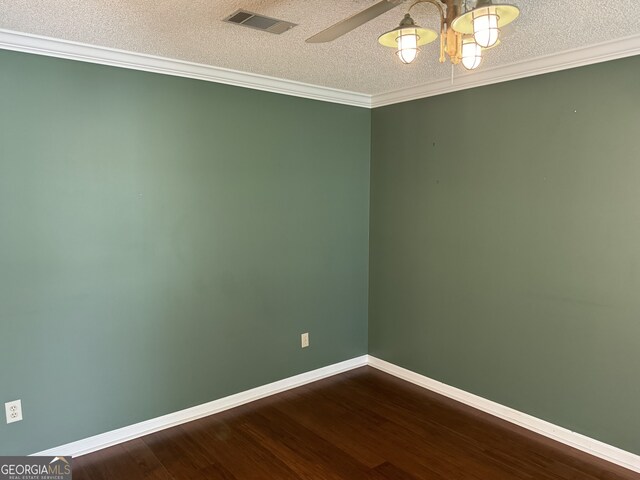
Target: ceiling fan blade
<point>348,24</point>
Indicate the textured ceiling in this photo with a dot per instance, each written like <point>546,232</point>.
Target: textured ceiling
<point>192,30</point>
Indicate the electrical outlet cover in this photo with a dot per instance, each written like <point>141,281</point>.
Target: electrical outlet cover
<point>14,411</point>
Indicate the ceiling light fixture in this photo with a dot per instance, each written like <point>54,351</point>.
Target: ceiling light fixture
<point>462,36</point>
<point>407,37</point>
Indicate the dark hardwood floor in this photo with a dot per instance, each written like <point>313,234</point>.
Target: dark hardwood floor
<point>360,425</point>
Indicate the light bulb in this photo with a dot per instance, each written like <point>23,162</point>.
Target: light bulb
<point>485,27</point>
<point>408,46</point>
<point>471,54</point>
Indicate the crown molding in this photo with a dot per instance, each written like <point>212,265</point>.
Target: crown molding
<point>52,47</point>
<point>602,52</point>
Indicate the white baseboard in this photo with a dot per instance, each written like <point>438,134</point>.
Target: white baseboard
<point>114,437</point>
<point>542,427</point>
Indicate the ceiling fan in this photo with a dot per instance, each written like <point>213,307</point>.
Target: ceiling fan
<point>464,33</point>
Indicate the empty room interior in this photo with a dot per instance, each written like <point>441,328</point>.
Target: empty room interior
<point>284,239</point>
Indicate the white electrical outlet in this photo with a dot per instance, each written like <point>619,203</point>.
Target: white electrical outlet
<point>14,411</point>
<point>304,340</point>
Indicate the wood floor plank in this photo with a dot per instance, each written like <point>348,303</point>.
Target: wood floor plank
<point>107,464</point>
<point>308,454</point>
<point>147,462</point>
<point>343,427</point>
<point>388,471</point>
<point>359,425</point>
<point>233,449</point>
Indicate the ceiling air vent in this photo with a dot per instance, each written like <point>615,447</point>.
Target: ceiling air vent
<point>259,22</point>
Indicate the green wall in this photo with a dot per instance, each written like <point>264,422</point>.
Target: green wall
<point>505,245</point>
<point>164,242</point>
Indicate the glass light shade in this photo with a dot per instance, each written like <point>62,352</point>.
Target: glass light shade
<point>471,53</point>
<point>485,27</point>
<point>407,45</point>
<point>464,23</point>
<point>407,38</point>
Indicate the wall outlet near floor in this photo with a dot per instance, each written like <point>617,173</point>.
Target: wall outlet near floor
<point>304,340</point>
<point>14,411</point>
